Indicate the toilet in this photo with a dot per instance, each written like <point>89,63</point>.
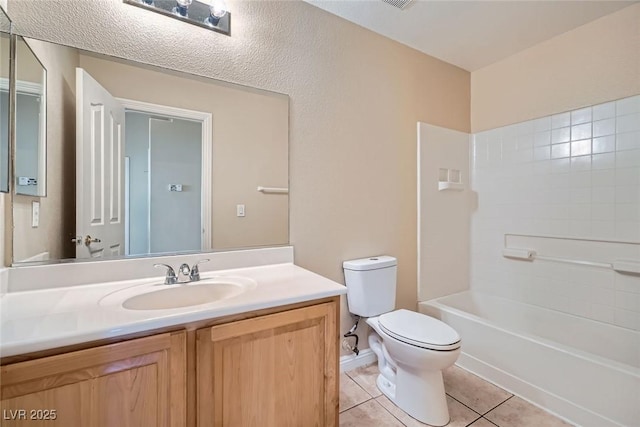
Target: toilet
<point>412,348</point>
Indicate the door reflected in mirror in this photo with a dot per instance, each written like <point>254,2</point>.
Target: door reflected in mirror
<point>30,121</point>
<point>144,160</point>
<point>140,176</point>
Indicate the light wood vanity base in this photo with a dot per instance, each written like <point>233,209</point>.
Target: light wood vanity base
<point>275,367</point>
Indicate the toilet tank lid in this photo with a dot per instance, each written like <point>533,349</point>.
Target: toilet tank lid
<point>371,263</point>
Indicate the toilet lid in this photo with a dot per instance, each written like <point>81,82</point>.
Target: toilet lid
<point>419,330</point>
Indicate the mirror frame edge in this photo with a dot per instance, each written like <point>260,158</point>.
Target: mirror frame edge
<point>4,12</point>
<point>9,223</point>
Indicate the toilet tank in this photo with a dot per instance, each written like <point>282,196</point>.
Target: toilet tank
<point>371,285</point>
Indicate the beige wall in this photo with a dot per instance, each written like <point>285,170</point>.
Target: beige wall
<point>250,146</point>
<point>57,213</point>
<point>28,68</point>
<point>444,217</point>
<point>355,100</point>
<point>594,63</point>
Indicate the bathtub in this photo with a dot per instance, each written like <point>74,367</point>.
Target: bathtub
<point>584,371</point>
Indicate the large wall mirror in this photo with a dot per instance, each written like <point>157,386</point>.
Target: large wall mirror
<point>142,160</point>
<point>5,59</point>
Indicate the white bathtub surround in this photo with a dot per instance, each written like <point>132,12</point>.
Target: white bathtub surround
<point>49,318</point>
<point>556,207</point>
<point>573,176</point>
<point>586,371</point>
<point>443,215</point>
<point>65,274</point>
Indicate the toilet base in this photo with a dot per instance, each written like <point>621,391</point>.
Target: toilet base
<point>386,387</point>
<point>411,377</point>
<point>422,395</point>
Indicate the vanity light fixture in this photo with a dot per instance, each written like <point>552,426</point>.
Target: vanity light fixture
<point>211,14</point>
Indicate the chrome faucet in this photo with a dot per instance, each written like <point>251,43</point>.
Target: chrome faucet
<point>194,273</point>
<point>170,278</point>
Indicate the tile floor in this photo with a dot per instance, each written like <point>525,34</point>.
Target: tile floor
<point>472,402</point>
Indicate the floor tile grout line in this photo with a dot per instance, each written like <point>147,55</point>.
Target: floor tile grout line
<point>391,413</point>
<point>364,389</point>
<point>473,420</point>
<point>489,382</point>
<point>465,405</point>
<point>361,387</point>
<point>498,405</point>
<point>489,421</point>
<point>355,406</point>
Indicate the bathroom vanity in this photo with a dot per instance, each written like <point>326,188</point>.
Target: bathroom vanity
<point>268,356</point>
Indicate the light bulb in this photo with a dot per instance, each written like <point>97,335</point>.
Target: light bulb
<point>182,6</point>
<point>217,9</point>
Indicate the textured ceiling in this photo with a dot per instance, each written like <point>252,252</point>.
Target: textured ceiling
<point>471,34</point>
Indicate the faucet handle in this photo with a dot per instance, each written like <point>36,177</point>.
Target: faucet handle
<point>194,275</point>
<point>170,278</point>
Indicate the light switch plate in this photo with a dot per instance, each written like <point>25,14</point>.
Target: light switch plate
<point>240,210</point>
<point>35,214</point>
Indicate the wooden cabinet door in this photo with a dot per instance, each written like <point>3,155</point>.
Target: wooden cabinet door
<point>274,370</point>
<point>134,383</point>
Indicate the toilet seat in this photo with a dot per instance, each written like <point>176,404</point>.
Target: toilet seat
<point>419,330</point>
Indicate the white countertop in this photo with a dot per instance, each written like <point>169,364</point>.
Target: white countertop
<point>44,319</point>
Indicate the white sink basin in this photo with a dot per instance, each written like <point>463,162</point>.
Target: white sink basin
<point>156,296</point>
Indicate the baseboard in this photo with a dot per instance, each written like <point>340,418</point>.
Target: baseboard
<point>350,362</point>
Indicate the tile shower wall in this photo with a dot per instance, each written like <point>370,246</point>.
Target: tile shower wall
<point>573,175</point>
